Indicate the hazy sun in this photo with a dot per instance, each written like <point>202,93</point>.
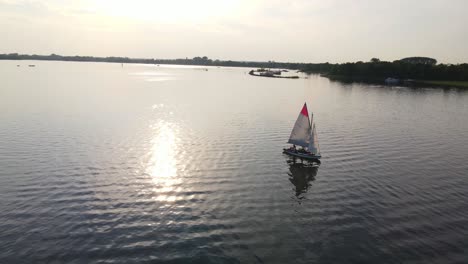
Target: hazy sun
<point>171,11</point>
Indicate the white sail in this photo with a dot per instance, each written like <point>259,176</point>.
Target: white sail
<point>313,144</point>
<point>301,132</point>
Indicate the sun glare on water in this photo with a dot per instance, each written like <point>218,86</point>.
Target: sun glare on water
<point>162,165</point>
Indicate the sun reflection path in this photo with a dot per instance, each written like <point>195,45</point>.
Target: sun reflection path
<point>162,165</point>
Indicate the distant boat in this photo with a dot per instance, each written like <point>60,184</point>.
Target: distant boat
<point>391,81</point>
<point>275,72</point>
<point>305,136</point>
<point>32,65</point>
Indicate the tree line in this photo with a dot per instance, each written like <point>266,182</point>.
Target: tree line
<point>422,68</point>
<point>204,61</point>
<point>419,68</point>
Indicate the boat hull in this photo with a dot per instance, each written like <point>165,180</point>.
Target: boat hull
<point>306,156</point>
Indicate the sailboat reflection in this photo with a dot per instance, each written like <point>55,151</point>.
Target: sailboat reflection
<point>301,175</point>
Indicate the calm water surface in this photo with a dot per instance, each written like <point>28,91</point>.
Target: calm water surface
<point>104,163</point>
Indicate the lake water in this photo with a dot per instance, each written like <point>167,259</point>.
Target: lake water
<point>104,163</point>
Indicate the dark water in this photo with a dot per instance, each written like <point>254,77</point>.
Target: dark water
<point>101,163</point>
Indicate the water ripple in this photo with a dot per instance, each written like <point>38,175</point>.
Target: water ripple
<point>123,170</point>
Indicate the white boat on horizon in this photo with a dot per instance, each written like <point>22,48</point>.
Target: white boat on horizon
<point>304,135</point>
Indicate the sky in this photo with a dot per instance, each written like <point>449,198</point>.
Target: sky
<point>253,30</point>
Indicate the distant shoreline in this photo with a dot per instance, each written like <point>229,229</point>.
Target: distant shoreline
<point>197,61</point>
<point>412,71</point>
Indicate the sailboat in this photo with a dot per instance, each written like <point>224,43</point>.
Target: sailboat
<point>304,135</point>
